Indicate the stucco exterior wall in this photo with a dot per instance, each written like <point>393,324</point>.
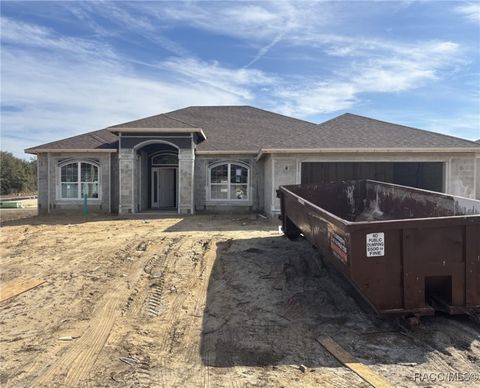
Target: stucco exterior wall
<point>284,173</point>
<point>186,173</point>
<point>462,177</point>
<point>255,203</point>
<point>114,189</point>
<point>126,192</point>
<point>42,183</point>
<point>268,183</point>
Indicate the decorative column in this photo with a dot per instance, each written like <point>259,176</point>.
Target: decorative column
<point>125,180</point>
<point>186,166</point>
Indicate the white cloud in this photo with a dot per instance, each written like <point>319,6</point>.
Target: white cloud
<point>250,14</point>
<point>263,25</point>
<point>263,21</point>
<point>362,64</point>
<point>470,11</point>
<point>235,81</point>
<point>397,70</point>
<point>58,98</point>
<point>62,88</point>
<point>123,18</point>
<point>313,99</point>
<point>35,36</point>
<point>66,85</point>
<point>391,76</point>
<point>465,124</point>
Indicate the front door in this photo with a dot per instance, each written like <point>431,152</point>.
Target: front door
<point>163,187</point>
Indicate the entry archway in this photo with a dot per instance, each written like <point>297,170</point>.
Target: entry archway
<point>157,175</point>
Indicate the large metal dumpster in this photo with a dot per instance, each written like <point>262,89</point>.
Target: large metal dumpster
<point>407,251</point>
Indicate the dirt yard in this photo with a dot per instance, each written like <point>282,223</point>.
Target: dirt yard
<point>199,301</point>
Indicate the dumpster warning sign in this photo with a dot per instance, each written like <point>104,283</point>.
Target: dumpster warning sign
<point>338,246</point>
<point>375,244</point>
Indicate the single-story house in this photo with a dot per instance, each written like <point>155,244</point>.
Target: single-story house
<point>233,158</point>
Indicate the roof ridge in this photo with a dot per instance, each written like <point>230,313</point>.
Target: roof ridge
<point>142,118</point>
<point>97,137</point>
<point>404,126</point>
<point>280,114</point>
<point>173,118</point>
<point>213,106</point>
<point>335,118</point>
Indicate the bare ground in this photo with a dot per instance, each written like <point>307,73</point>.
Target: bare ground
<point>198,301</point>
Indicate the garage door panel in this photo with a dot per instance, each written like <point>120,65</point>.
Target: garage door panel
<point>425,175</point>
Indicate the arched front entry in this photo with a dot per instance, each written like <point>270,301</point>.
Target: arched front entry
<point>147,167</point>
<point>157,171</point>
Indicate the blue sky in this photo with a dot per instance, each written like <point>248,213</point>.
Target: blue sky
<point>72,67</point>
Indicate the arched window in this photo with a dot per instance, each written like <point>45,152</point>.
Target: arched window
<point>229,182</point>
<point>77,179</point>
<point>165,158</point>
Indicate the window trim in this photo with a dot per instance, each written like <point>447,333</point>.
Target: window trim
<point>229,183</point>
<point>78,162</point>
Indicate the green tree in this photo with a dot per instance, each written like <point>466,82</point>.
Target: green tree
<point>17,175</point>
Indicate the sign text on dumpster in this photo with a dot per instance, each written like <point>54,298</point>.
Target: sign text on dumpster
<point>375,244</point>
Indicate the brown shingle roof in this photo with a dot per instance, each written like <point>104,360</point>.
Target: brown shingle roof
<point>245,128</point>
<point>354,131</point>
<point>158,121</point>
<point>95,140</point>
<point>240,128</point>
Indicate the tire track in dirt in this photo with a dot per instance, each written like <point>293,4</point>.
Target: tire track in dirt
<point>167,250</point>
<point>210,254</point>
<point>163,263</point>
<point>202,252</point>
<point>174,309</point>
<point>75,365</point>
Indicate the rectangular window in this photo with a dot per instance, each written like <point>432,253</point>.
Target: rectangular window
<point>238,192</point>
<point>219,192</point>
<point>69,190</point>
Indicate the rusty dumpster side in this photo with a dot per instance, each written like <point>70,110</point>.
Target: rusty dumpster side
<point>407,266</point>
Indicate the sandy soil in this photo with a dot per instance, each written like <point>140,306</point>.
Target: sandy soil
<point>199,301</point>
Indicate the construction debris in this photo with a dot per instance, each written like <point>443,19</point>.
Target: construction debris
<point>360,369</point>
<point>129,360</point>
<point>16,287</point>
<point>68,337</point>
